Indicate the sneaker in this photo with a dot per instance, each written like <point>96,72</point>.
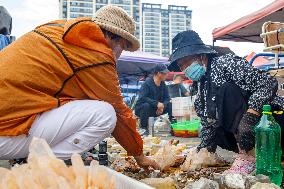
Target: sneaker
<point>19,161</point>
<point>146,133</point>
<point>243,164</point>
<point>143,132</point>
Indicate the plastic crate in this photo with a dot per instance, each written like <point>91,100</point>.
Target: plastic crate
<point>181,106</point>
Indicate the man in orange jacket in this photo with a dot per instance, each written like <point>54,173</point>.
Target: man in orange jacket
<point>59,82</point>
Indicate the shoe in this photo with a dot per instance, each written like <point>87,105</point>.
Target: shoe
<point>143,132</point>
<point>19,161</point>
<point>146,133</point>
<point>172,132</point>
<point>243,164</point>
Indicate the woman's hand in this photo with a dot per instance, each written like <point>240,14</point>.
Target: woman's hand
<point>246,131</point>
<point>146,162</point>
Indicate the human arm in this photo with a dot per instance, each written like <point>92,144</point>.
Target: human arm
<point>166,100</point>
<point>208,135</point>
<point>262,89</point>
<point>260,85</point>
<point>183,90</point>
<point>146,162</point>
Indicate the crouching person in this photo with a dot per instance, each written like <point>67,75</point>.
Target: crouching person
<point>154,99</point>
<point>231,94</point>
<point>59,82</point>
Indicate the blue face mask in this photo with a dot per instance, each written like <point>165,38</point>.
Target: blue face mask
<point>195,71</point>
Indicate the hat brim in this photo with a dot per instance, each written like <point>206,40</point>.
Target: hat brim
<point>165,71</point>
<point>188,51</point>
<point>134,42</point>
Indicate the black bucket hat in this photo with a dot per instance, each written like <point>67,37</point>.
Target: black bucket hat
<point>187,43</point>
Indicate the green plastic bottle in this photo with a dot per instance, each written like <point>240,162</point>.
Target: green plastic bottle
<point>268,147</point>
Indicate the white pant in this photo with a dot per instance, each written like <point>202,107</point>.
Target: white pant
<point>72,128</point>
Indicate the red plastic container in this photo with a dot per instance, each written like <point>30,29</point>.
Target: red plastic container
<point>185,133</point>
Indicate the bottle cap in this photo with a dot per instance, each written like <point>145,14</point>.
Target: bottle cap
<point>266,108</point>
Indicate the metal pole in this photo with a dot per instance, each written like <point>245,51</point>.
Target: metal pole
<point>276,59</point>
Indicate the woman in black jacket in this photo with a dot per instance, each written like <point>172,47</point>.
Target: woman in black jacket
<point>231,94</point>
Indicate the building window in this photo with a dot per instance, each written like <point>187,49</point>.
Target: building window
<point>152,46</point>
<point>156,6</point>
<point>136,2</point>
<point>152,38</point>
<point>152,34</point>
<point>151,30</point>
<point>152,42</point>
<point>136,10</point>
<point>81,4</point>
<point>152,18</point>
<point>74,15</point>
<point>125,2</point>
<point>152,22</point>
<point>102,1</point>
<point>80,10</point>
<point>99,6</point>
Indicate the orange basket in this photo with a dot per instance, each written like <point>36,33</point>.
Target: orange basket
<point>185,133</point>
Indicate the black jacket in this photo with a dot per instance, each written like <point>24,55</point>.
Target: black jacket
<point>152,94</point>
<point>230,68</point>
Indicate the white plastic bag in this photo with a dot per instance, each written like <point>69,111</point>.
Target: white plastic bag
<point>162,123</point>
<point>196,160</point>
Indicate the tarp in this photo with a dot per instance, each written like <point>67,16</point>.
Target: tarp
<point>258,61</point>
<point>5,21</point>
<point>135,66</point>
<point>248,28</point>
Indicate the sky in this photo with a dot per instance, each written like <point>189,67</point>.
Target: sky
<point>207,15</point>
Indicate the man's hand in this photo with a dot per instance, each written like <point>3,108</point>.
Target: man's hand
<point>159,112</point>
<point>246,131</point>
<point>146,162</point>
<point>160,108</point>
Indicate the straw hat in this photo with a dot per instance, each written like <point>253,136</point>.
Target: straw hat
<point>117,21</point>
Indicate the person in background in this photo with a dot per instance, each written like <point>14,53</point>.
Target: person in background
<point>5,28</point>
<point>154,99</point>
<point>231,94</point>
<point>59,82</point>
<point>177,89</point>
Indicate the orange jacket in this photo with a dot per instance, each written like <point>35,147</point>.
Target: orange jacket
<point>58,62</point>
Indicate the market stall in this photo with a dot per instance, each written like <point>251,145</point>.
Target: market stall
<point>248,28</point>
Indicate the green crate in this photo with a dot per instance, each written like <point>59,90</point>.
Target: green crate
<point>187,125</point>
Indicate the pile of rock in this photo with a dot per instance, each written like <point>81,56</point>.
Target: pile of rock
<point>233,181</point>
